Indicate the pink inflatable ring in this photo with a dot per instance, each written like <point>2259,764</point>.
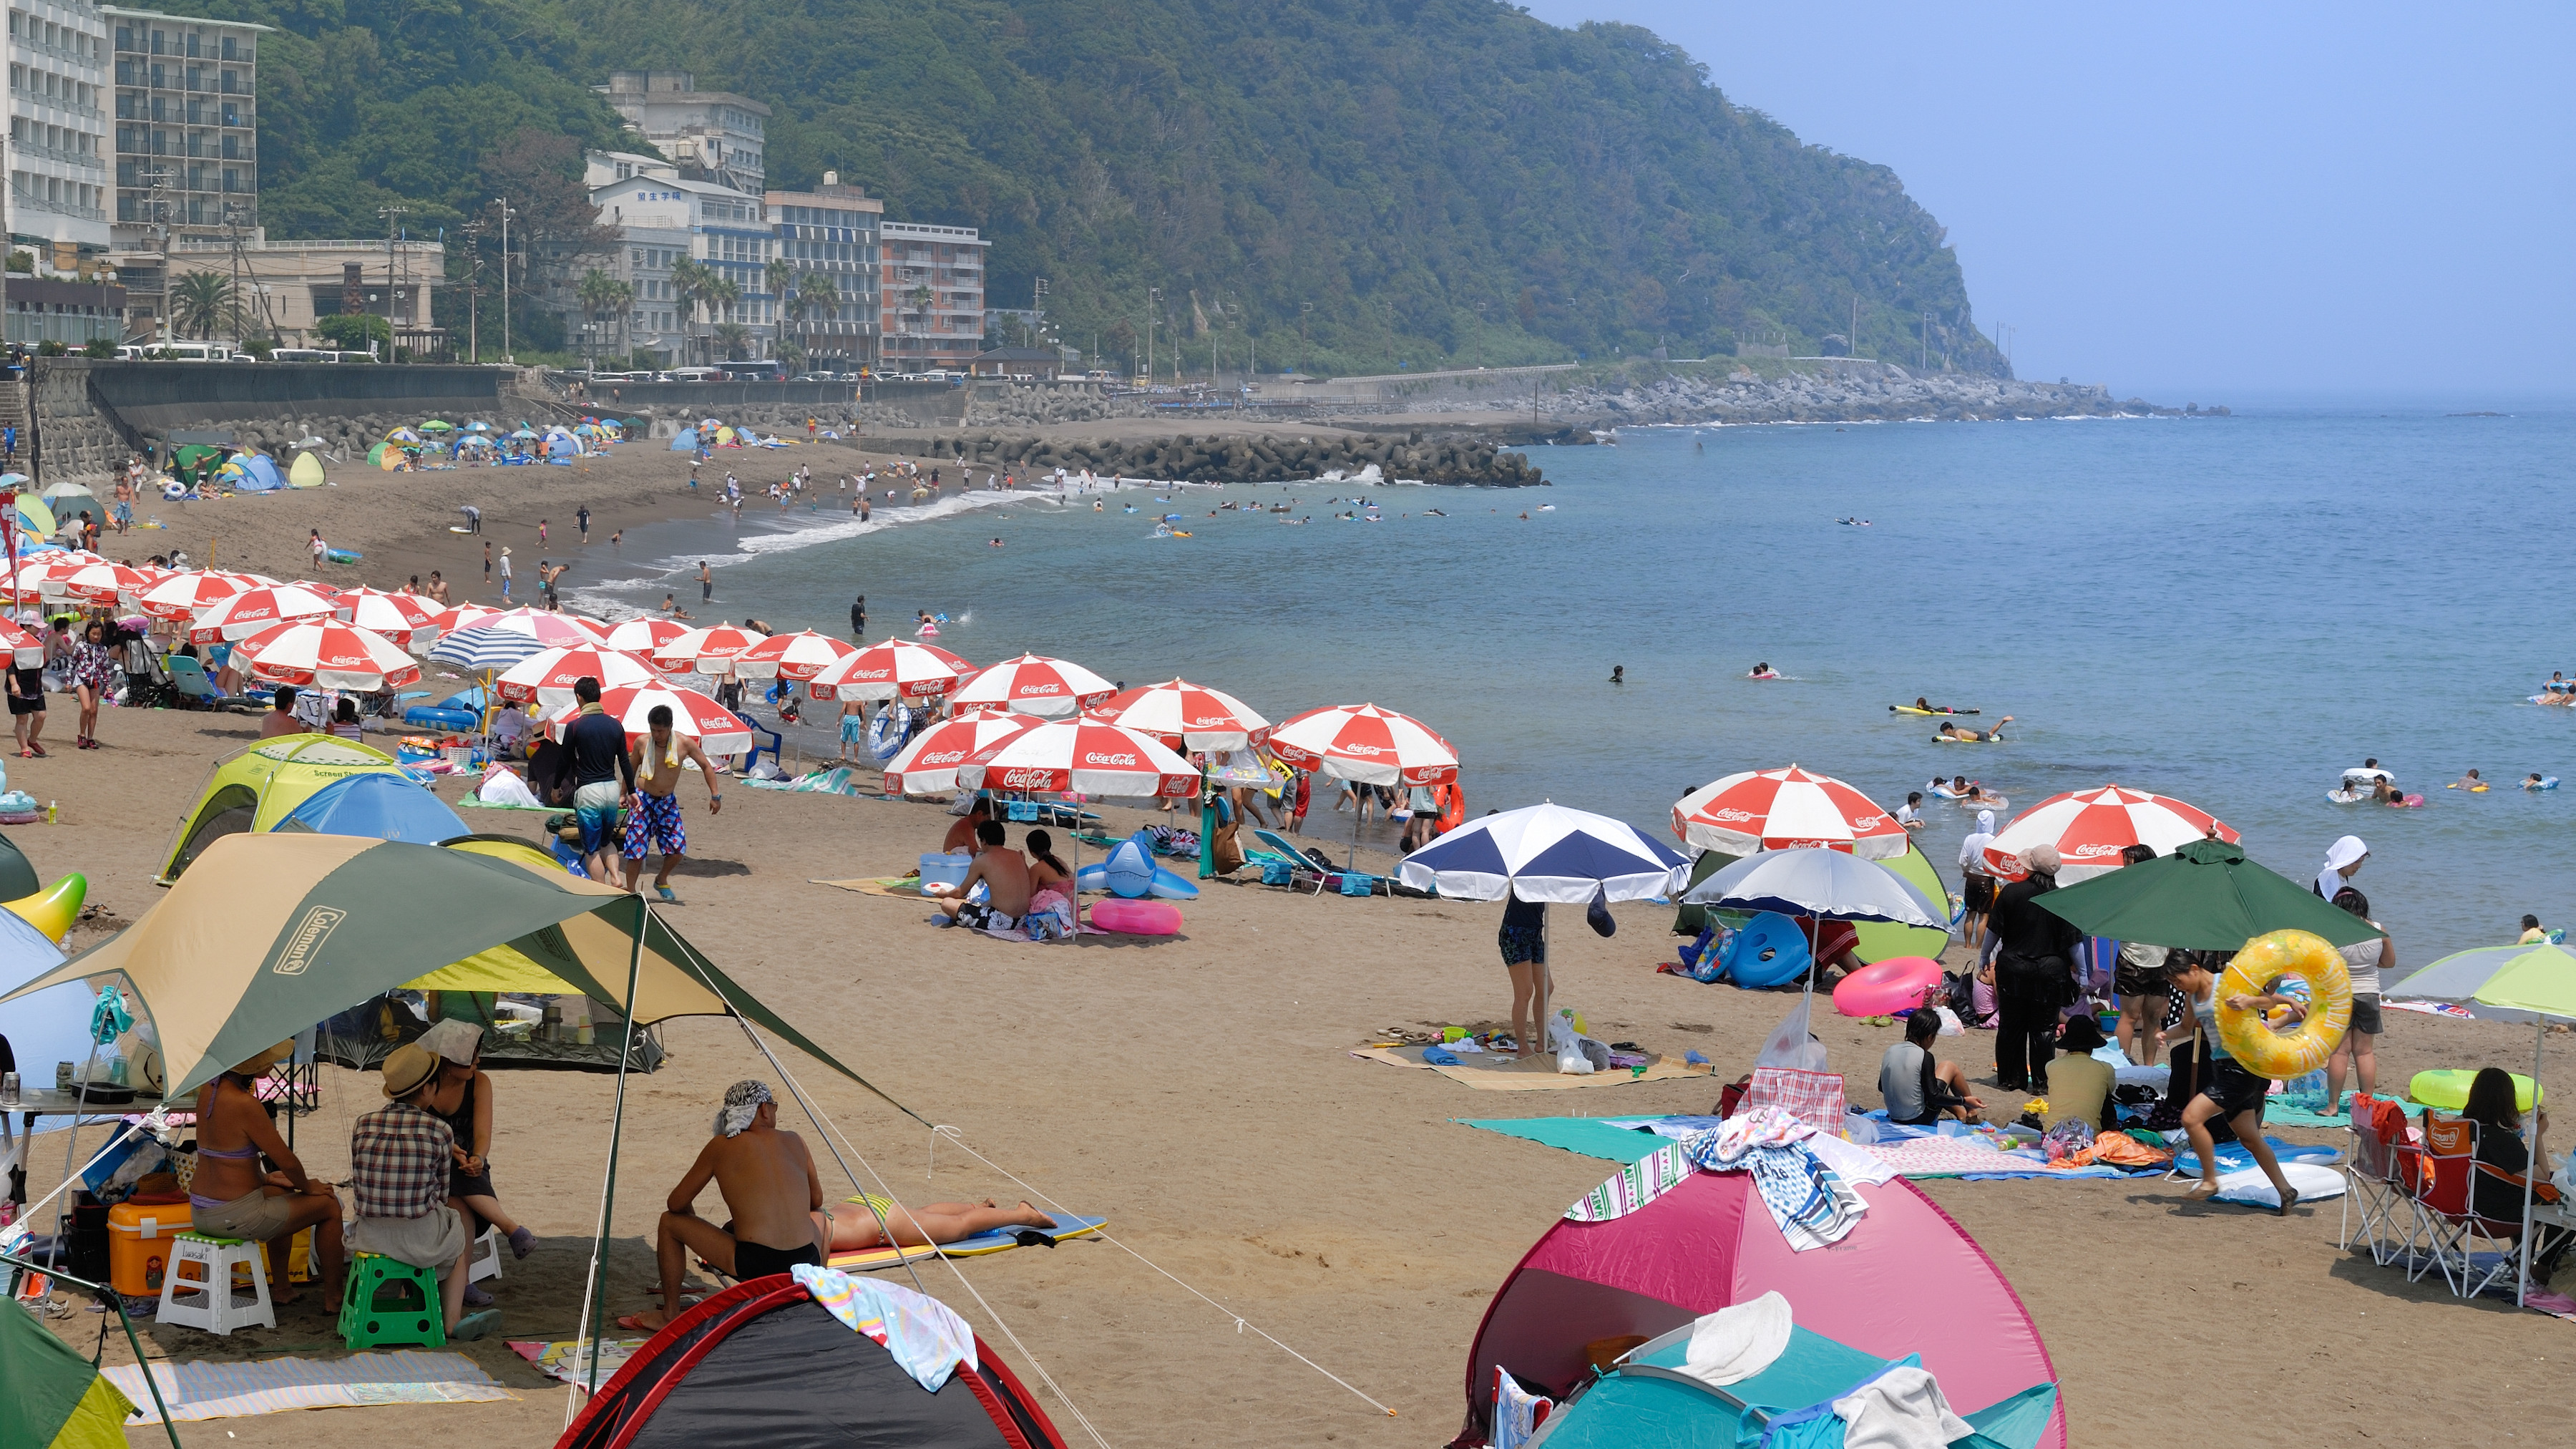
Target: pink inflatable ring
<point>1141,918</point>
<point>1897,984</point>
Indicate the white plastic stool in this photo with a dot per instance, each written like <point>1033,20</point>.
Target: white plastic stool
<point>487,1257</point>
<point>210,1301</point>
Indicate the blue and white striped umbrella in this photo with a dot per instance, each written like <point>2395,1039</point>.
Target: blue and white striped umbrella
<point>1546,853</point>
<point>487,648</point>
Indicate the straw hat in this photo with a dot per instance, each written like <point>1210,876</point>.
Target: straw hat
<point>408,1069</point>
<point>262,1061</point>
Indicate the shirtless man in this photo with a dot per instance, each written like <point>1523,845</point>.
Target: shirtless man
<point>1992,736</point>
<point>437,590</point>
<point>767,1179</point>
<point>961,836</point>
<point>1005,874</point>
<point>653,812</point>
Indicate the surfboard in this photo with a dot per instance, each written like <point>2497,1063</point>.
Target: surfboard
<point>996,1241</point>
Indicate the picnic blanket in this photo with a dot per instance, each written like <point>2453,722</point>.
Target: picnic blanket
<point>205,1390</point>
<point>840,780</point>
<point>568,1359</point>
<point>1489,1072</point>
<point>1905,1152</point>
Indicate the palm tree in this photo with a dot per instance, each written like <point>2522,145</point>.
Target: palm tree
<point>691,284</point>
<point>200,302</point>
<point>599,292</point>
<point>723,295</point>
<point>780,279</point>
<point>816,296</point>
<point>736,339</point>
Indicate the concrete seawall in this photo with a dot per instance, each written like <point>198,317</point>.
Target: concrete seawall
<point>90,416</point>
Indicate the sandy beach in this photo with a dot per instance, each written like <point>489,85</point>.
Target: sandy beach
<point>1199,1092</point>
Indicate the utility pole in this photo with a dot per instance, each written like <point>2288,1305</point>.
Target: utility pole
<point>393,219</point>
<point>1037,308</point>
<point>507,355</point>
<point>1855,337</point>
<point>474,287</point>
<point>1153,299</point>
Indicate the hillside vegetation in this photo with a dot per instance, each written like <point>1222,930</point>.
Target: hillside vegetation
<point>1346,184</point>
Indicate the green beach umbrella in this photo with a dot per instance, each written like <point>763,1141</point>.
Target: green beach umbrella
<point>2205,896</point>
<point>267,934</point>
<point>436,425</point>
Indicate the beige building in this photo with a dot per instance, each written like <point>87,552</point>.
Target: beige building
<point>932,300</point>
<point>831,231</point>
<point>712,136</point>
<point>284,288</point>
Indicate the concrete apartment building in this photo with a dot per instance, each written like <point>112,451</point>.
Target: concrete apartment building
<point>712,136</point>
<point>831,231</point>
<point>187,118</point>
<point>58,155</point>
<point>670,216</point>
<point>932,296</point>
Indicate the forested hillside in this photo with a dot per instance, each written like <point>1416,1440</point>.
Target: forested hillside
<point>1355,183</point>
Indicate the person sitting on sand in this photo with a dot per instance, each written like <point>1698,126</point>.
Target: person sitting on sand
<point>280,719</point>
<point>1920,1089</point>
<point>767,1179</point>
<point>961,835</point>
<point>1993,736</point>
<point>2079,1084</point>
<point>2226,1089</point>
<point>459,1045</point>
<point>1005,876</point>
<point>231,1198</point>
<point>400,1159</point>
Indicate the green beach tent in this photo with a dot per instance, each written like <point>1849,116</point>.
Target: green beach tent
<point>2205,896</point>
<point>50,1397</point>
<point>260,786</point>
<point>307,472</point>
<point>1886,940</point>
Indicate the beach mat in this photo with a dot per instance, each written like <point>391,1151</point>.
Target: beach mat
<point>1486,1071</point>
<point>567,1360</point>
<point>997,1241</point>
<point>1583,1136</point>
<point>207,1390</point>
<point>900,887</point>
<point>1630,1139</point>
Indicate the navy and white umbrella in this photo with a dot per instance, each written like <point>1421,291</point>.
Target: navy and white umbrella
<point>1820,884</point>
<point>1546,853</point>
<point>487,648</point>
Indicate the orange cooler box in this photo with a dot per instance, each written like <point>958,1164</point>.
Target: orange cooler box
<point>138,1245</point>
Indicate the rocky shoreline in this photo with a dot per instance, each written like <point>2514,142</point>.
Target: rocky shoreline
<point>1413,455</point>
<point>1853,392</point>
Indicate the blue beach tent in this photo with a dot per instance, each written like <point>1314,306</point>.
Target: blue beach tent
<point>686,441</point>
<point>384,807</point>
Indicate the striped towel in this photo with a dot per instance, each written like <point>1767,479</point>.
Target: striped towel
<point>925,1335</point>
<point>1634,1186</point>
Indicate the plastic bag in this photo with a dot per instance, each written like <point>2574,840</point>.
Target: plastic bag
<point>502,786</point>
<point>1570,1060</point>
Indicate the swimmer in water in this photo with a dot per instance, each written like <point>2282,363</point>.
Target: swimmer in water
<point>1759,671</point>
<point>2532,781</point>
<point>1993,736</point>
<point>1619,675</point>
<point>2469,781</point>
<point>993,543</point>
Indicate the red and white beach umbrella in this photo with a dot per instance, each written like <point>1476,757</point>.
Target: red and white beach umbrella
<point>795,657</point>
<point>399,617</point>
<point>1035,684</point>
<point>2091,827</point>
<point>253,610</point>
<point>328,654</point>
<point>1083,756</point>
<point>102,583</point>
<point>40,575</point>
<point>1365,744</point>
<point>547,677</point>
<point>643,634</point>
<point>1186,716</point>
<point>895,669</point>
<point>710,650</point>
<point>718,730</point>
<point>1776,809</point>
<point>26,651</point>
<point>453,621</point>
<point>928,765</point>
<point>182,595</point>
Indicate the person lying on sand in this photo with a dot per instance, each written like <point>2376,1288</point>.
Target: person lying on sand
<point>1005,874</point>
<point>853,1225</point>
<point>767,1179</point>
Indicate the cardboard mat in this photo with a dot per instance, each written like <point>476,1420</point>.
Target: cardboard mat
<point>1488,1072</point>
<point>900,887</point>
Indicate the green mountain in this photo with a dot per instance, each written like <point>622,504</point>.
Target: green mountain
<point>1344,185</point>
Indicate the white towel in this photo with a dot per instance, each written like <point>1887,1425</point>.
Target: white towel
<point>1739,1341</point>
<point>1900,1409</point>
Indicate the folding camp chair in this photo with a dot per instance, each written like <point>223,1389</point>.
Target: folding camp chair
<point>1305,870</point>
<point>2380,1173</point>
<point>2455,1236</point>
<point>188,679</point>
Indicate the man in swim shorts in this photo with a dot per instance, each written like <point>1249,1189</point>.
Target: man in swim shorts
<point>854,730</point>
<point>1005,875</point>
<point>653,811</point>
<point>1993,736</point>
<point>595,747</point>
<point>767,1179</point>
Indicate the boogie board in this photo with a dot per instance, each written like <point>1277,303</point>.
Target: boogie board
<point>1909,709</point>
<point>998,1240</point>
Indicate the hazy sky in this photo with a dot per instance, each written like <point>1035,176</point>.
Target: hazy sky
<point>2314,200</point>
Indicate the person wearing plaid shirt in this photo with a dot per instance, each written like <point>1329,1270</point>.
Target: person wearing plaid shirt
<point>399,1156</point>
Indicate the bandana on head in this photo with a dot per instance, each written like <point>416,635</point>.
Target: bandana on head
<point>742,1102</point>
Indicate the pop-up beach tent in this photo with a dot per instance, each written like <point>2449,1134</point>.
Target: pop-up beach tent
<point>763,1363</point>
<point>379,806</point>
<point>1906,1280</point>
<point>259,787</point>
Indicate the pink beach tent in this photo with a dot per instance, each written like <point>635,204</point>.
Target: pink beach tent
<point>1906,1280</point>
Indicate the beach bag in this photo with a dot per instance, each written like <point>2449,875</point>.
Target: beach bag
<point>1815,1098</point>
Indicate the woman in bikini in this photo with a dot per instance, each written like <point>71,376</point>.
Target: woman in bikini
<point>864,1221</point>
<point>231,1198</point>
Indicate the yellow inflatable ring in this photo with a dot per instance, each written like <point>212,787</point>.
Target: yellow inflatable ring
<point>2304,1048</point>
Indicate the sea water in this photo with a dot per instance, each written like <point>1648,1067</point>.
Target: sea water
<point>2227,610</point>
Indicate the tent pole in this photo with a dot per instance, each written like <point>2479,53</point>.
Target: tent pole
<point>2537,1163</point>
<point>594,1298</point>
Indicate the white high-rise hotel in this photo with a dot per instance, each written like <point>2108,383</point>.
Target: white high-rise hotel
<point>60,182</point>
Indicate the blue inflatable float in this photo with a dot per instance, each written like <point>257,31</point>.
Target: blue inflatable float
<point>1130,873</point>
<point>1769,951</point>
